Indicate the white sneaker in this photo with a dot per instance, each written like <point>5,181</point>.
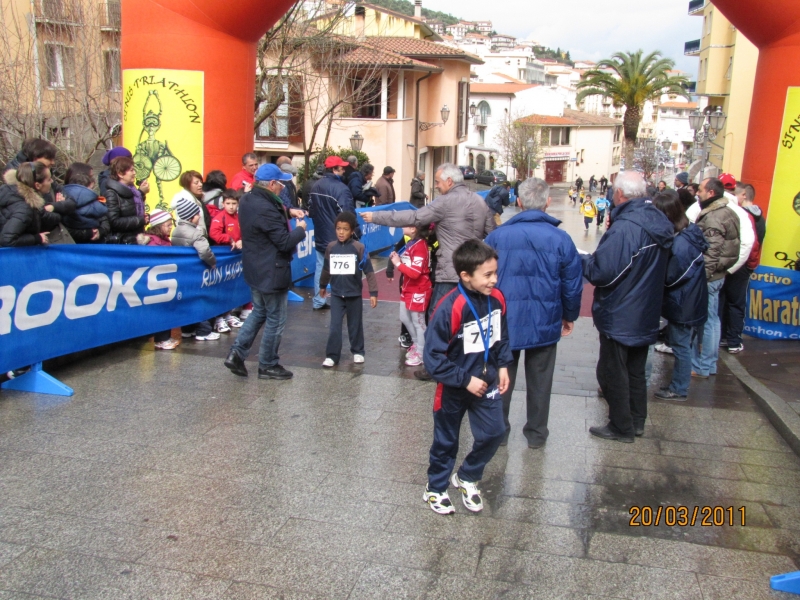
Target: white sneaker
<point>358,358</point>
<point>663,348</point>
<point>220,326</point>
<point>411,351</point>
<point>169,344</point>
<point>439,503</point>
<point>233,322</point>
<point>470,493</point>
<point>328,362</point>
<point>414,360</point>
<point>244,314</point>
<point>207,338</point>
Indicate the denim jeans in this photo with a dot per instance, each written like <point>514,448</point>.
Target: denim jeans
<point>704,361</point>
<point>680,340</point>
<point>318,301</point>
<point>269,309</point>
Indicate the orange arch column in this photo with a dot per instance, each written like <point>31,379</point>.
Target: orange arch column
<point>217,37</point>
<point>774,27</point>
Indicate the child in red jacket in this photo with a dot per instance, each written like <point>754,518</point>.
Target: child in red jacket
<point>413,261</point>
<point>224,228</point>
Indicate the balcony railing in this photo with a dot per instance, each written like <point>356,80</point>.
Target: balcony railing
<point>692,48</point>
<point>58,12</point>
<point>696,6</point>
<point>111,16</point>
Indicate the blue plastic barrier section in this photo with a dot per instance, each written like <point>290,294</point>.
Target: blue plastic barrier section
<point>60,299</point>
<point>773,304</point>
<point>788,582</point>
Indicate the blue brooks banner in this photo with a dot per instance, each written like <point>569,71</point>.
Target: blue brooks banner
<point>57,300</point>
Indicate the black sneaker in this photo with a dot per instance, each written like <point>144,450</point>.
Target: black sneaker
<point>669,395</point>
<point>276,372</point>
<point>405,340</point>
<point>423,375</point>
<point>236,364</point>
<point>607,433</point>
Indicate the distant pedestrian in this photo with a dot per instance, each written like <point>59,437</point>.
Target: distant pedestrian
<point>497,198</point>
<point>603,184</point>
<point>685,304</point>
<point>578,183</point>
<point>289,191</point>
<point>662,185</point>
<point>602,203</point>
<point>541,277</point>
<point>681,180</point>
<point>418,195</point>
<point>243,180</point>
<point>385,187</point>
<point>628,270</point>
<point>592,183</point>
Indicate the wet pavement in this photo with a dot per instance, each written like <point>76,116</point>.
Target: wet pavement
<point>167,477</point>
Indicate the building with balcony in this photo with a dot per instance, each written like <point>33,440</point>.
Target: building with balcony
<point>725,77</point>
<point>61,76</point>
<point>503,42</point>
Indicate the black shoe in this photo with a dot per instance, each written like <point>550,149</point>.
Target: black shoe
<point>236,364</point>
<point>504,441</point>
<point>405,340</point>
<point>536,445</point>
<point>423,375</point>
<point>323,307</point>
<point>607,434</point>
<point>638,430</point>
<point>669,395</point>
<point>276,372</point>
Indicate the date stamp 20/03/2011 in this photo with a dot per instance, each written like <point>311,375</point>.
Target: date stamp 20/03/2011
<point>682,516</point>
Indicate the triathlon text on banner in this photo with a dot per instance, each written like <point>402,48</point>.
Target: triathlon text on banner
<point>61,299</point>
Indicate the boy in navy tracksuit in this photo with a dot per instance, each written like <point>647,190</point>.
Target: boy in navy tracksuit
<point>345,262</point>
<point>467,354</point>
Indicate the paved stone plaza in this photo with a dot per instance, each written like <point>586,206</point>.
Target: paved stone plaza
<point>167,477</point>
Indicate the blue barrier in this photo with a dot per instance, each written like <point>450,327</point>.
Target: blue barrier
<point>788,582</point>
<point>60,299</point>
<point>772,310</point>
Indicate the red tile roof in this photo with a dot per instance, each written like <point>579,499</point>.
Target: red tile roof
<point>688,105</point>
<point>415,48</point>
<point>499,88</point>
<point>375,57</point>
<point>572,118</point>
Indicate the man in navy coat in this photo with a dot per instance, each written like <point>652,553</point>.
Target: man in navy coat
<point>539,273</point>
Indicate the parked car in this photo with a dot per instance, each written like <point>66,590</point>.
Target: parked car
<point>491,177</point>
<point>469,172</point>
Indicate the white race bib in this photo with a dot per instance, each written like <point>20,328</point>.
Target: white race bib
<point>343,264</point>
<point>405,259</point>
<point>472,335</point>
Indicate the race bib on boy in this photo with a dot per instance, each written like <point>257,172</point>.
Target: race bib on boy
<point>472,335</point>
<point>343,264</point>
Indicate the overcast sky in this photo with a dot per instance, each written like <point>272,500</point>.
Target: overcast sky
<point>590,29</point>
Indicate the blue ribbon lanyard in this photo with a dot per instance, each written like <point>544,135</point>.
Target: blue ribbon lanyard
<point>485,337</point>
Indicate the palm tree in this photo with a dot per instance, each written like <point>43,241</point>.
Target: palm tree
<point>629,80</point>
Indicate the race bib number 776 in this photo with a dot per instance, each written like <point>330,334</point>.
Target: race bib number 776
<point>343,264</point>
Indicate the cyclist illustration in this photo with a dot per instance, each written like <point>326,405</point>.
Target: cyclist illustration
<point>153,156</point>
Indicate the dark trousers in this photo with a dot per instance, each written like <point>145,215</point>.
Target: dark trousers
<point>539,366</point>
<point>620,372</point>
<point>202,328</point>
<point>351,306</point>
<point>486,423</point>
<point>162,336</point>
<point>732,301</point>
<point>440,290</point>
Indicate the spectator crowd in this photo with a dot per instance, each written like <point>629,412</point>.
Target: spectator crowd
<point>476,296</point>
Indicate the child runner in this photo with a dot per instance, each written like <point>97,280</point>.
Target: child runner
<point>602,204</point>
<point>588,210</point>
<point>467,354</point>
<point>413,261</point>
<point>346,261</point>
<point>225,231</point>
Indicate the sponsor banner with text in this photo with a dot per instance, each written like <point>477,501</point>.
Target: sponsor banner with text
<point>773,304</point>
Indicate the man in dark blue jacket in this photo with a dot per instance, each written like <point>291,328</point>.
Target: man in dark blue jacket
<point>267,247</point>
<point>497,198</point>
<point>327,199</point>
<point>628,270</point>
<point>541,276</point>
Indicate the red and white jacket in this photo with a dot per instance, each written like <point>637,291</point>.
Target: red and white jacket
<point>225,228</point>
<point>416,269</point>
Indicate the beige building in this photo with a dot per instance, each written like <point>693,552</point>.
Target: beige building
<point>61,75</point>
<point>415,117</point>
<point>725,78</point>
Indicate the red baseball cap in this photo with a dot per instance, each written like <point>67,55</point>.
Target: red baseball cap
<point>335,161</point>
<point>728,181</point>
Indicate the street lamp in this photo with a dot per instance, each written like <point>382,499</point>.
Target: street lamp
<point>473,110</point>
<point>356,141</point>
<point>666,145</point>
<point>425,125</point>
<point>529,144</point>
<point>707,125</point>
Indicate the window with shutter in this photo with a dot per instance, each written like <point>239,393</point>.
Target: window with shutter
<point>286,122</point>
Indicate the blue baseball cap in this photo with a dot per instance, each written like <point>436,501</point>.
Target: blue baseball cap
<point>271,172</point>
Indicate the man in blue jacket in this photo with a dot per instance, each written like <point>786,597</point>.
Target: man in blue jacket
<point>327,199</point>
<point>267,247</point>
<point>628,271</point>
<point>541,277</point>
